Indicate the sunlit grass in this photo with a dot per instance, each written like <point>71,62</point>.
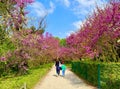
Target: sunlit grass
<point>30,79</point>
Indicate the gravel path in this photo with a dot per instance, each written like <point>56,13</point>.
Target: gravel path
<point>70,81</point>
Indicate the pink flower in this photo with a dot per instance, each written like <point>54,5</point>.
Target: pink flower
<point>23,2</point>
<point>3,59</point>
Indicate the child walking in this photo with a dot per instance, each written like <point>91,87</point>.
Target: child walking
<point>63,67</point>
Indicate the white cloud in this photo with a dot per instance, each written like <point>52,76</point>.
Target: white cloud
<point>52,7</point>
<point>70,32</point>
<point>77,24</point>
<point>83,8</point>
<point>86,7</point>
<point>67,3</point>
<point>64,2</point>
<point>59,33</point>
<point>86,2</point>
<point>39,9</point>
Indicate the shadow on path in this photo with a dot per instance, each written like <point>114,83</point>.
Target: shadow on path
<point>75,80</point>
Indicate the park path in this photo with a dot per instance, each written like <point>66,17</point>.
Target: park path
<point>70,81</point>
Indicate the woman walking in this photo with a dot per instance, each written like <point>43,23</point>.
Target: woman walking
<point>57,65</point>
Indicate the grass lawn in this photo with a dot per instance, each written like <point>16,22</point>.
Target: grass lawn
<point>30,79</point>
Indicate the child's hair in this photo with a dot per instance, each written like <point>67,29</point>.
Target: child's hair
<point>62,62</point>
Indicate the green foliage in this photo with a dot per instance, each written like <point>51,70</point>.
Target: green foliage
<point>30,79</point>
<point>4,7</point>
<point>2,35</point>
<point>110,76</point>
<point>40,30</point>
<point>62,42</point>
<point>37,62</point>
<point>109,73</point>
<point>5,42</point>
<point>33,28</point>
<point>68,64</point>
<point>2,69</point>
<point>6,46</point>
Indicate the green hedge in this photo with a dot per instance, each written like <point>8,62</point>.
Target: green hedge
<point>103,75</point>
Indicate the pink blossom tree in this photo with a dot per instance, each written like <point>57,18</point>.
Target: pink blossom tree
<point>99,35</point>
<point>13,13</point>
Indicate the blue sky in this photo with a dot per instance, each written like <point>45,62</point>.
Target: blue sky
<point>63,16</point>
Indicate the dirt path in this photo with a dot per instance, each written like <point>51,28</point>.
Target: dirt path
<point>70,81</point>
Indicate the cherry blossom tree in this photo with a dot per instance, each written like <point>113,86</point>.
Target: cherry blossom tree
<point>13,13</point>
<point>98,36</point>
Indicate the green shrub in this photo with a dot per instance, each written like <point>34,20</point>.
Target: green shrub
<point>109,77</point>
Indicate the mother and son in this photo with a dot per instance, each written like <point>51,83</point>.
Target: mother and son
<point>60,66</point>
